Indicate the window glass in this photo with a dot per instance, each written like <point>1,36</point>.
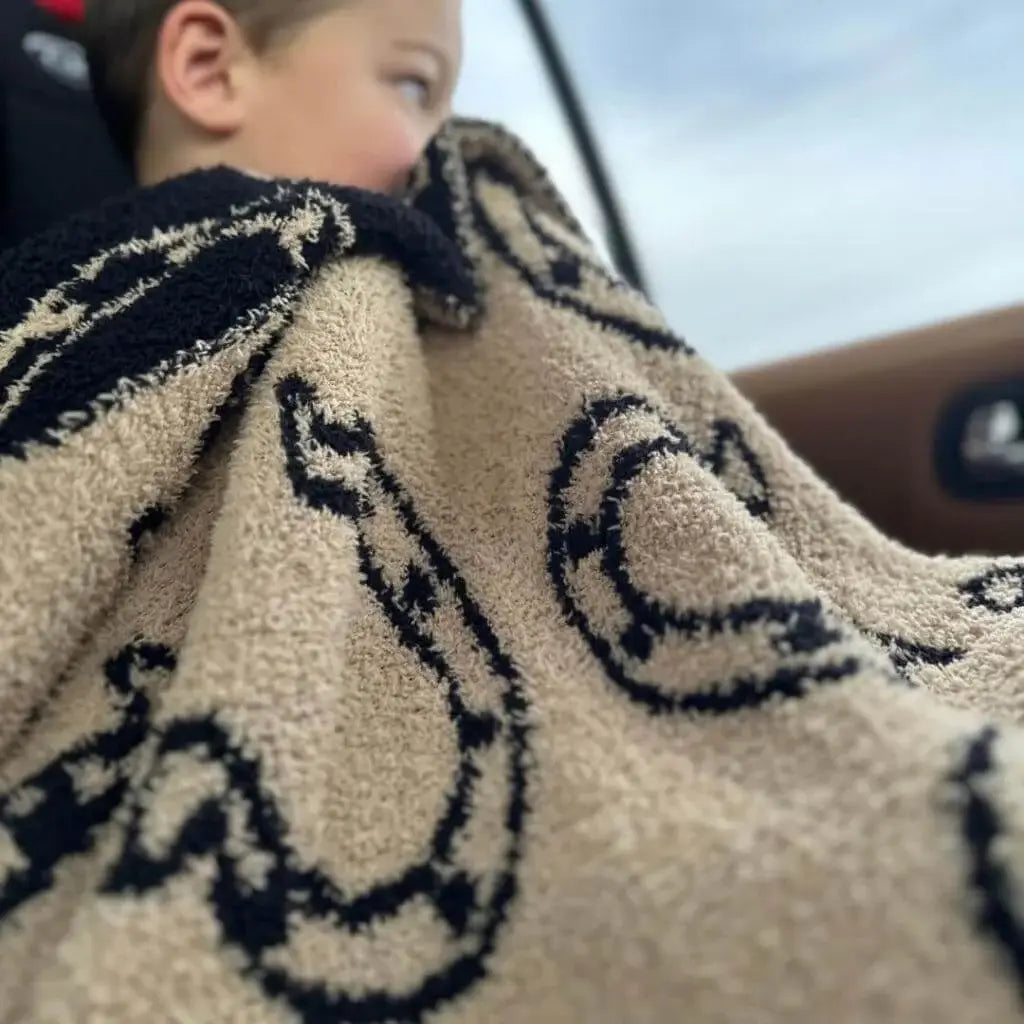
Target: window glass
<point>795,173</point>
<point>504,80</point>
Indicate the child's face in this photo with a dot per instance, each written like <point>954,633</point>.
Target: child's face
<point>354,97</point>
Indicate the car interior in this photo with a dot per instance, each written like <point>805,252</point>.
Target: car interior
<point>922,430</point>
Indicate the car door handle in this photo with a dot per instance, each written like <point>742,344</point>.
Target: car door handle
<point>979,448</point>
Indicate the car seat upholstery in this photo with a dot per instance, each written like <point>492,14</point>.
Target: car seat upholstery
<point>55,157</point>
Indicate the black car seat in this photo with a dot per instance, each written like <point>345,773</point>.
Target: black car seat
<point>55,157</point>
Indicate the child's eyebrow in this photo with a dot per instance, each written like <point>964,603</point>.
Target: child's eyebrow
<point>443,60</point>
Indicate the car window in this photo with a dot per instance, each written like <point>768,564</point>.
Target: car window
<point>504,79</point>
<point>798,173</point>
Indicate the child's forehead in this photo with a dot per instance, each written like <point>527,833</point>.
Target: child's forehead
<point>438,21</point>
<point>430,26</point>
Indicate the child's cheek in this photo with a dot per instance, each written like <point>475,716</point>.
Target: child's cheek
<point>389,151</point>
<point>401,148</point>
<point>410,141</point>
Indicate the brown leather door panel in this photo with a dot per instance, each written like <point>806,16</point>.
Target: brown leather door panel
<point>882,421</point>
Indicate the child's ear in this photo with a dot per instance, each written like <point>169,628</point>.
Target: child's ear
<point>201,64</point>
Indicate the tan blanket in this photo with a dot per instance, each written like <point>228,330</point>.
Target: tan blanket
<point>397,623</point>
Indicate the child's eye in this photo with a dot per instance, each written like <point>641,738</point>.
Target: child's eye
<point>415,90</point>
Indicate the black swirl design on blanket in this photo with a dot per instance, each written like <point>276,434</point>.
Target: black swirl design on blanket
<point>560,269</point>
<point>160,267</point>
<point>981,825</point>
<point>734,462</point>
<point>909,655</point>
<point>148,523</point>
<point>57,812</point>
<point>166,293</point>
<point>337,468</point>
<point>1000,590</point>
<point>614,441</point>
<point>234,821</point>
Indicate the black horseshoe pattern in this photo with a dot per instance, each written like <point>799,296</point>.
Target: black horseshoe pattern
<point>796,631</point>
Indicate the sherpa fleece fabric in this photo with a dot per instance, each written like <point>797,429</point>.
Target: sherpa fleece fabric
<point>399,623</point>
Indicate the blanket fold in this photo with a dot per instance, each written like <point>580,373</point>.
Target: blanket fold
<point>401,623</point>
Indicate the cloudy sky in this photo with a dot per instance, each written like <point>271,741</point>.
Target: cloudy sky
<point>797,173</point>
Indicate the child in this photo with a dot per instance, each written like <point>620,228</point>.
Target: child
<point>343,91</point>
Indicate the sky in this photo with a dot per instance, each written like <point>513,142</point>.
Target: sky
<point>796,173</point>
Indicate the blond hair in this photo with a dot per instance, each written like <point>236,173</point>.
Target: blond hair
<point>121,38</point>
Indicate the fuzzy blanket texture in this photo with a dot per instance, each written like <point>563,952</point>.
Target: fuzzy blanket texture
<point>399,623</point>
